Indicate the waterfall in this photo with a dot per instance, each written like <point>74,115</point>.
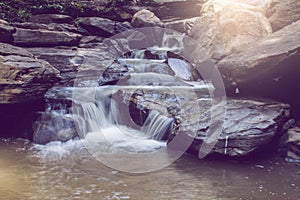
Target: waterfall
<point>103,114</point>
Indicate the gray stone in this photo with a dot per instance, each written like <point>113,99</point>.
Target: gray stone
<point>223,32</point>
<point>51,18</point>
<point>283,13</point>
<point>249,126</point>
<point>145,18</point>
<point>101,26</point>
<point>45,38</point>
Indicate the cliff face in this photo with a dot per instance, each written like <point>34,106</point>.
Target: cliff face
<point>255,48</point>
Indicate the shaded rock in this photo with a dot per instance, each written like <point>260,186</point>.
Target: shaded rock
<point>223,32</point>
<point>145,18</point>
<point>283,13</point>
<point>178,9</point>
<point>292,144</point>
<point>6,33</point>
<point>45,38</point>
<point>24,78</point>
<point>101,26</point>
<point>249,126</point>
<point>51,27</point>
<point>268,68</point>
<point>51,18</point>
<point>183,26</point>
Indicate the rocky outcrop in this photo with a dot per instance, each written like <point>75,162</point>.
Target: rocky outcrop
<point>22,77</point>
<point>223,32</point>
<point>23,82</point>
<point>145,18</point>
<point>45,38</point>
<point>283,13</point>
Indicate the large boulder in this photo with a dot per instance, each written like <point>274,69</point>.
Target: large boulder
<point>268,68</point>
<point>45,38</point>
<point>249,126</point>
<point>227,27</point>
<point>145,18</point>
<point>283,13</point>
<point>22,77</point>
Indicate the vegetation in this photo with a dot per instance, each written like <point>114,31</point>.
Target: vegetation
<point>22,10</point>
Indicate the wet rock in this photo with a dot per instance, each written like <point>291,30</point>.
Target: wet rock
<point>113,74</point>
<point>283,13</point>
<point>183,69</point>
<point>145,66</point>
<point>51,18</point>
<point>101,26</point>
<point>90,41</point>
<point>6,33</point>
<point>249,126</point>
<point>23,78</point>
<point>45,38</point>
<point>223,32</point>
<point>54,125</point>
<point>145,18</point>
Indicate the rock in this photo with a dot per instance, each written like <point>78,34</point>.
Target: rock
<point>90,41</point>
<point>268,68</point>
<point>22,77</point>
<point>183,69</point>
<point>101,26</point>
<point>292,143</point>
<point>223,32</point>
<point>183,26</point>
<point>51,18</point>
<point>45,38</point>
<point>113,74</point>
<point>283,13</point>
<point>6,33</point>
<point>65,59</point>
<point>3,22</point>
<point>145,18</point>
<point>249,126</point>
<point>51,27</point>
<point>178,9</point>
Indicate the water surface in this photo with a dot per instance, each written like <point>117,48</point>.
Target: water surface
<point>68,171</point>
